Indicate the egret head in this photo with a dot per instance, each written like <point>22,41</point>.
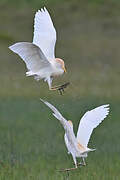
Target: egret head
<point>61,63</point>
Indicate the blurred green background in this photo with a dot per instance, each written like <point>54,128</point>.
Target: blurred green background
<point>31,139</point>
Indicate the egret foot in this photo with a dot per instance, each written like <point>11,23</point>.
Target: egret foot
<point>60,88</point>
<point>81,164</point>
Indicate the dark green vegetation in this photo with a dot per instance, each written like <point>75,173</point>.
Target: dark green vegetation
<point>31,139</point>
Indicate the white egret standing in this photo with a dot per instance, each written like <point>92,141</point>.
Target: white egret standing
<point>78,146</point>
<point>39,55</point>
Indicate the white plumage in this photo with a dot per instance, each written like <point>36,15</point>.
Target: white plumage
<point>89,121</point>
<point>39,55</point>
<point>77,146</point>
<point>44,33</point>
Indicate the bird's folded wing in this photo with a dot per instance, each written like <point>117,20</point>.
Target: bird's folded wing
<point>32,55</point>
<point>89,121</point>
<point>44,33</point>
<point>56,113</point>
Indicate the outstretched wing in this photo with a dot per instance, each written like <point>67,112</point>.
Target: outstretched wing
<point>44,33</point>
<point>32,55</point>
<point>89,121</point>
<point>56,113</point>
<point>70,139</point>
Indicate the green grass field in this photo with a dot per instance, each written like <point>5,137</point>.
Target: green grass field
<point>31,139</point>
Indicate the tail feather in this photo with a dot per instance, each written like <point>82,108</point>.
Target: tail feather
<point>88,150</point>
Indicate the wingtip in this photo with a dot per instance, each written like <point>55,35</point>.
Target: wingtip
<point>45,8</point>
<point>15,47</point>
<point>42,10</point>
<point>106,106</point>
<point>38,11</point>
<point>42,100</point>
<point>11,47</point>
<point>45,102</point>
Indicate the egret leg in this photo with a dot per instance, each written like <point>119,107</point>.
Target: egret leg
<point>75,161</point>
<point>83,163</point>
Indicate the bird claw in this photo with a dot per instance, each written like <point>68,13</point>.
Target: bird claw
<point>60,88</point>
<point>81,164</point>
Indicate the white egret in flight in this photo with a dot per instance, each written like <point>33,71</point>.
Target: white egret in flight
<point>78,145</point>
<point>39,55</point>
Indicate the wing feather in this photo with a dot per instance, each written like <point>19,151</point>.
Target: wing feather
<point>89,121</point>
<point>56,113</point>
<point>70,139</point>
<point>44,33</point>
<point>32,55</point>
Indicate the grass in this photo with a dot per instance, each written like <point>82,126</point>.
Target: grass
<point>32,144</point>
<point>31,139</point>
